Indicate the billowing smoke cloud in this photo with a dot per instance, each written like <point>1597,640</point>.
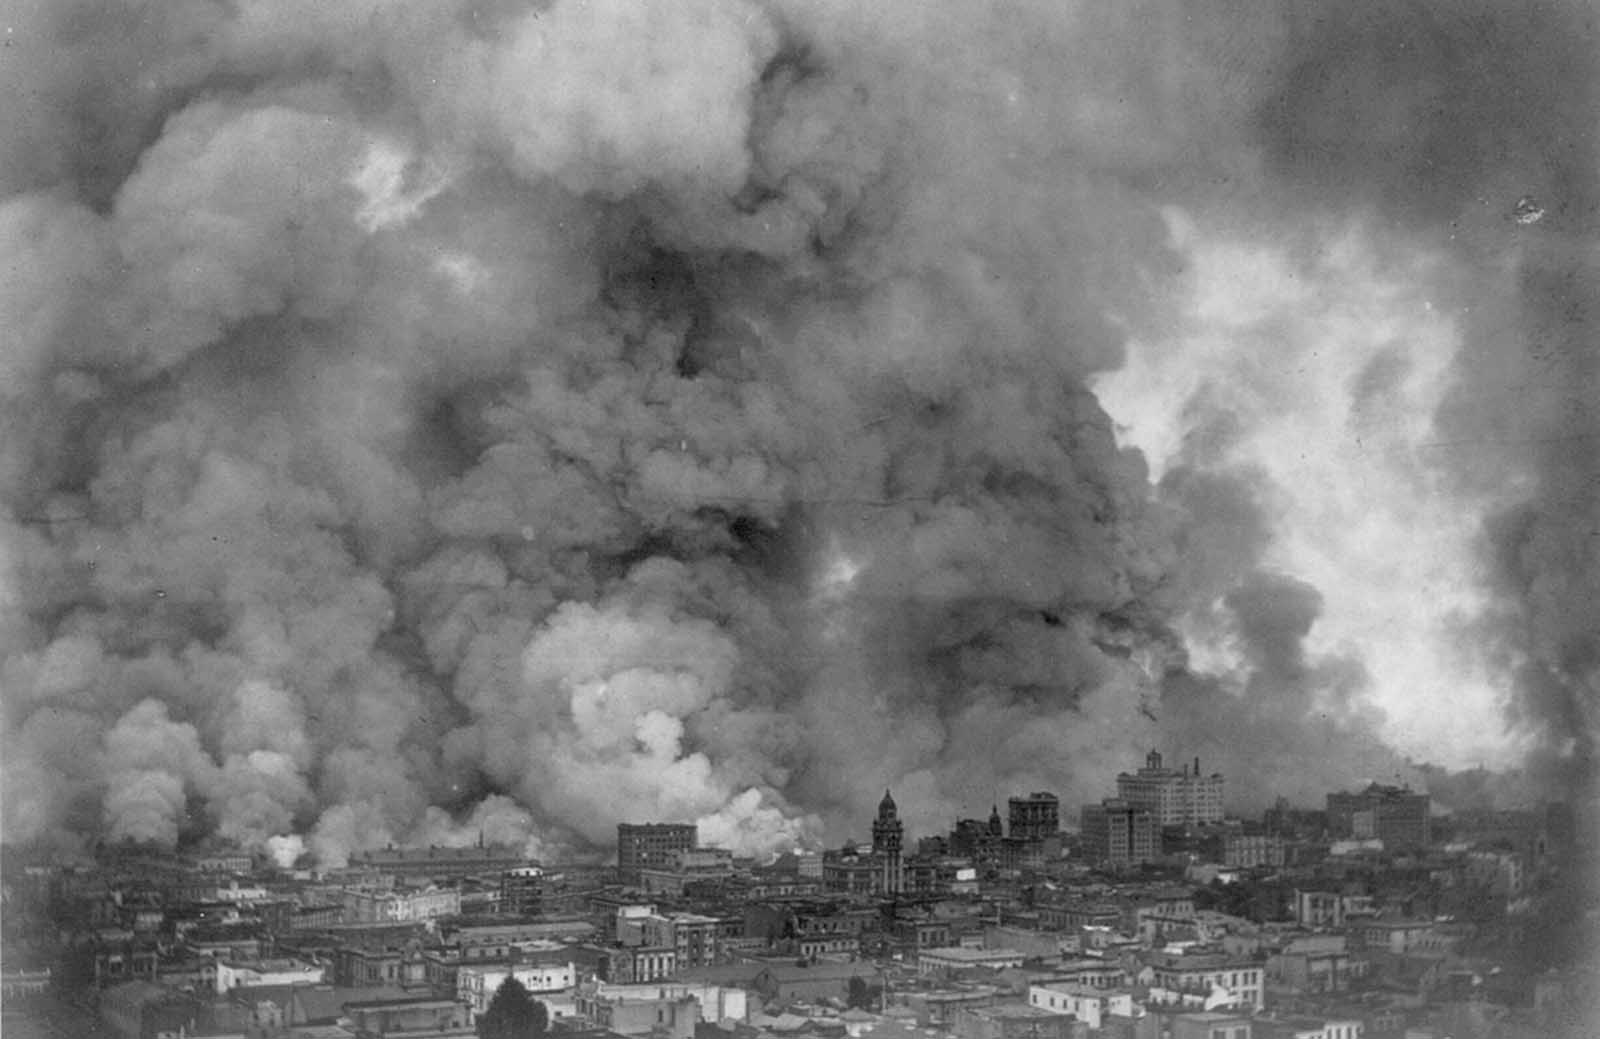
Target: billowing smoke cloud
<point>150,763</point>
<point>443,420</point>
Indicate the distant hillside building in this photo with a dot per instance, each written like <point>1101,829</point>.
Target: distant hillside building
<point>1036,817</point>
<point>642,846</point>
<point>1395,815</point>
<point>1116,833</point>
<point>1176,797</point>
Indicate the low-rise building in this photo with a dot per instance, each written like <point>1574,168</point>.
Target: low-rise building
<point>1015,1021</point>
<point>1307,1026</point>
<point>1314,964</point>
<point>1089,1005</point>
<point>666,1011</point>
<point>785,983</point>
<point>1194,1024</point>
<point>234,974</point>
<point>477,983</point>
<point>1201,973</point>
<point>1090,973</point>
<point>364,905</point>
<point>423,864</point>
<point>1252,850</point>
<point>1401,937</point>
<point>420,1018</point>
<point>365,966</point>
<point>145,1010</point>
<point>635,964</point>
<point>955,958</point>
<point>687,866</point>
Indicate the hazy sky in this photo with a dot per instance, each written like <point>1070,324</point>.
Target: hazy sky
<point>426,418</point>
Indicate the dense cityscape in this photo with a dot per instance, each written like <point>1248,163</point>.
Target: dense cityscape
<point>1156,916</point>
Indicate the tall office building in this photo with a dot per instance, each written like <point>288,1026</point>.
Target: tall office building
<point>642,846</point>
<point>1175,797</point>
<point>1035,817</point>
<point>1117,833</point>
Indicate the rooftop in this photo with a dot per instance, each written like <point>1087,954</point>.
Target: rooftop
<point>958,952</point>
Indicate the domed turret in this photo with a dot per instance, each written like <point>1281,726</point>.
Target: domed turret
<point>886,807</point>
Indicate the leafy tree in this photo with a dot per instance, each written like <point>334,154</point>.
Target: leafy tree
<point>513,1014</point>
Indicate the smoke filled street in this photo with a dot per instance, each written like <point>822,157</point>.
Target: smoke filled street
<point>612,438</point>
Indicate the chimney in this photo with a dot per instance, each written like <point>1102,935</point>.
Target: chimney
<point>1197,766</point>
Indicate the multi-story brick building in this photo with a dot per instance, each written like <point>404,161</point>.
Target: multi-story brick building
<point>1036,817</point>
<point>1199,973</point>
<point>364,905</point>
<point>1252,850</point>
<point>1117,833</point>
<point>695,939</point>
<point>1395,815</point>
<point>522,891</point>
<point>642,846</point>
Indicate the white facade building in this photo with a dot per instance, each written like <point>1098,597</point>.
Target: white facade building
<point>476,984</point>
<point>1089,1005</point>
<point>232,974</point>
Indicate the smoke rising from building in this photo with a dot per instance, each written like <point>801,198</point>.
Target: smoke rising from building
<point>444,417</point>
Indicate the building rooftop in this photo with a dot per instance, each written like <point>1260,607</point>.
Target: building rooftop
<point>282,964</point>
<point>1074,989</point>
<point>821,971</point>
<point>959,952</point>
<point>1208,960</point>
<point>1012,1011</point>
<point>423,855</point>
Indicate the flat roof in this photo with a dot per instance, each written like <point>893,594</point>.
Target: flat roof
<point>961,952</point>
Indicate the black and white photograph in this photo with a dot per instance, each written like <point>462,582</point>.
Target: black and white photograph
<point>800,519</point>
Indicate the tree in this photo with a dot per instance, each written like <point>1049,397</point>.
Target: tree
<point>513,1014</point>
